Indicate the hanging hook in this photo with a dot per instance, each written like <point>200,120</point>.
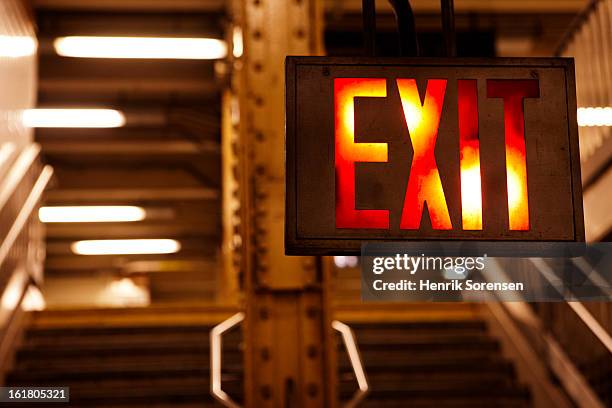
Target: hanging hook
<point>405,27</point>
<point>448,27</point>
<point>369,26</point>
<point>408,42</point>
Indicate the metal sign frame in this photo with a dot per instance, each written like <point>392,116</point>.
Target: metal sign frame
<point>296,244</point>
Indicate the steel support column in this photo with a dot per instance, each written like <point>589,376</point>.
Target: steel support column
<point>287,330</point>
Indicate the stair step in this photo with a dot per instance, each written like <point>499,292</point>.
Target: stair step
<point>143,403</point>
<point>92,343</point>
<point>446,403</point>
<point>118,364</point>
<point>42,357</point>
<point>418,345</point>
<point>230,371</point>
<point>411,329</point>
<point>406,337</point>
<point>432,383</point>
<point>402,377</point>
<point>201,399</point>
<point>114,331</point>
<point>434,394</point>
<point>120,349</point>
<point>386,313</point>
<point>156,404</point>
<point>156,316</point>
<point>429,364</point>
<point>395,359</point>
<point>438,368</point>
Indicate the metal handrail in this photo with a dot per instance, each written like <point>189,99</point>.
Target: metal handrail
<point>575,26</point>
<point>216,350</point>
<point>26,211</point>
<point>16,229</point>
<point>7,151</point>
<point>582,312</point>
<point>21,278</point>
<point>348,337</point>
<point>572,381</point>
<point>17,172</point>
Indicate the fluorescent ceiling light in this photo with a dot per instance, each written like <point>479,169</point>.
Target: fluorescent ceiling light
<point>72,118</point>
<point>125,246</point>
<point>111,213</point>
<point>346,261</point>
<point>237,44</point>
<point>17,46</point>
<point>600,116</point>
<point>140,47</point>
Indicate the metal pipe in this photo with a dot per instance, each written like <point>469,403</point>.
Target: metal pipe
<point>216,350</point>
<point>448,27</point>
<point>369,27</point>
<point>408,42</point>
<point>348,337</point>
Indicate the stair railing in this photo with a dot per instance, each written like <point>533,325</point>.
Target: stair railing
<point>348,337</point>
<point>544,342</point>
<point>22,236</point>
<point>216,353</point>
<point>578,307</point>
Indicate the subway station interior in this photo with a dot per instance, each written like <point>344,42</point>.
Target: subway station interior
<point>142,214</point>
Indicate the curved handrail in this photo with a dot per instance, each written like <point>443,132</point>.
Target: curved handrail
<point>216,350</point>
<point>348,337</point>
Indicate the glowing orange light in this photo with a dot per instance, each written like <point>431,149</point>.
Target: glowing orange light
<point>513,93</point>
<point>347,152</point>
<point>469,146</point>
<point>424,184</point>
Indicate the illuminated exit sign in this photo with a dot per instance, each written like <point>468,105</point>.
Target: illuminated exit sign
<point>430,149</point>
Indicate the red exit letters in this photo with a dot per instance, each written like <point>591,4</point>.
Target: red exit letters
<point>424,184</point>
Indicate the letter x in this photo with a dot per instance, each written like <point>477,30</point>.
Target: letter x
<point>424,184</point>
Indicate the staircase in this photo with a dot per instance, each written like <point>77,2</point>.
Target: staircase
<point>149,357</point>
<point>429,355</point>
<point>423,355</point>
<point>166,159</point>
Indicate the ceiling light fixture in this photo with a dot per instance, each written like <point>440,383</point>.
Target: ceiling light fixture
<point>140,47</point>
<point>93,213</point>
<point>72,118</point>
<point>595,116</point>
<point>17,46</point>
<point>125,246</point>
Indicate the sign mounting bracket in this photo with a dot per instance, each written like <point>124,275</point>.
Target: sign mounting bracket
<point>406,27</point>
